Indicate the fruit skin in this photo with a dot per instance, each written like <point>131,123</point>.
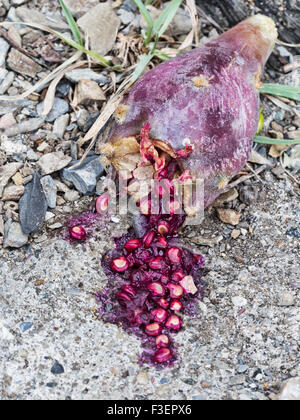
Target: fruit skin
<point>207,98</point>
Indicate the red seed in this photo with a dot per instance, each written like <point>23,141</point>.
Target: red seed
<point>157,289</point>
<point>122,296</point>
<point>148,238</point>
<point>162,355</point>
<point>157,263</point>
<point>164,303</point>
<point>119,264</point>
<point>162,340</point>
<point>153,329</point>
<point>173,322</point>
<point>101,204</point>
<point>129,290</point>
<point>178,275</point>
<point>163,228</point>
<point>132,245</point>
<point>174,255</point>
<point>162,243</point>
<point>78,233</point>
<point>175,305</point>
<point>159,315</point>
<point>176,291</point>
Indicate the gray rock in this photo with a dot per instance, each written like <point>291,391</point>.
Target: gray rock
<point>180,25</point>
<point>6,82</point>
<point>11,147</point>
<point>80,7</point>
<point>84,177</point>
<point>4,47</point>
<point>1,226</point>
<point>22,64</point>
<point>78,74</point>
<point>242,368</point>
<point>13,193</point>
<point>14,237</point>
<point>60,125</point>
<point>3,73</point>
<point>82,117</point>
<point>54,21</point>
<point>33,206</point>
<point>50,190</point>
<point>57,369</point>
<point>101,25</point>
<point>32,156</point>
<point>6,172</point>
<point>32,124</point>
<point>60,107</point>
<point>125,16</point>
<point>71,195</point>
<point>12,106</point>
<point>52,162</point>
<point>129,5</point>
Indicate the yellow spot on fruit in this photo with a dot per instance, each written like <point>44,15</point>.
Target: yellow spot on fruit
<point>257,82</point>
<point>200,81</point>
<point>120,114</point>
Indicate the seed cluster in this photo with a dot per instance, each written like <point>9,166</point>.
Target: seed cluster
<point>155,283</point>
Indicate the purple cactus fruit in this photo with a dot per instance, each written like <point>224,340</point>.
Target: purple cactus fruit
<point>202,107</point>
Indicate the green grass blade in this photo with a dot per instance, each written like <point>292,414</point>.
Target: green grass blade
<point>161,55</point>
<point>147,18</point>
<point>166,17</point>
<point>291,92</point>
<point>144,61</point>
<point>81,48</point>
<point>72,24</point>
<point>260,121</point>
<point>268,140</point>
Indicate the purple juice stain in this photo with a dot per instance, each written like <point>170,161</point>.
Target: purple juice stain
<point>147,271</point>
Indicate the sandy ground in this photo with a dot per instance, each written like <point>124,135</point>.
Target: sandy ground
<point>243,344</point>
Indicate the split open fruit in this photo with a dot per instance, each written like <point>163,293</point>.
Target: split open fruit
<point>192,117</point>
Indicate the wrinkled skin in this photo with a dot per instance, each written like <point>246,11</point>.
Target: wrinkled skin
<point>208,98</point>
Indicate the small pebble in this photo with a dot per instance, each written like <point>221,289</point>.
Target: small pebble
<point>57,369</point>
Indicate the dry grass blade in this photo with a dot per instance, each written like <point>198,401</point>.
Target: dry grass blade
<point>50,95</point>
<point>188,42</point>
<point>286,171</point>
<point>109,109</point>
<point>282,105</point>
<point>44,82</point>
<point>245,178</point>
<point>287,45</point>
<point>191,6</point>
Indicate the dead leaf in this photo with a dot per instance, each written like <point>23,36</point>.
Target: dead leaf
<point>259,159</point>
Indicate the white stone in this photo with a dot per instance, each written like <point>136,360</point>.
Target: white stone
<point>290,390</point>
<point>239,301</point>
